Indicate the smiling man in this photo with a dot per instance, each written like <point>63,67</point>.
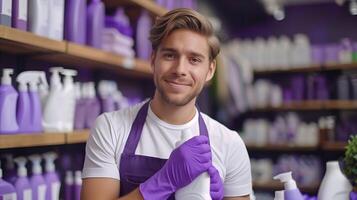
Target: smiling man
<point>134,153</point>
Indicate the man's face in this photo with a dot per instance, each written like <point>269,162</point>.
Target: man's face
<point>181,67</point>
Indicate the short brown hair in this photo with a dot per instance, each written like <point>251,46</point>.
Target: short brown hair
<point>184,18</point>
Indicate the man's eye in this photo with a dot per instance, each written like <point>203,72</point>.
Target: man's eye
<point>195,60</point>
<point>169,56</point>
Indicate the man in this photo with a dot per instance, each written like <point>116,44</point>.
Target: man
<point>141,152</point>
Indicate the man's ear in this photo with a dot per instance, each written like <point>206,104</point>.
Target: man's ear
<point>211,70</point>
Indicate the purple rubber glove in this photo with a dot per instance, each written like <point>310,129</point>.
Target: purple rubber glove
<point>216,188</point>
<point>185,163</point>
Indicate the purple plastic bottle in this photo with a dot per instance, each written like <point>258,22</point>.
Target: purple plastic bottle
<point>75,21</point>
<point>8,98</point>
<point>7,191</point>
<point>79,114</point>
<point>143,45</point>
<point>69,186</point>
<point>298,88</point>
<point>5,12</point>
<point>95,23</point>
<point>19,14</point>
<point>77,185</point>
<point>92,105</point>
<point>9,169</point>
<point>23,111</point>
<point>22,185</point>
<point>37,182</point>
<point>51,177</point>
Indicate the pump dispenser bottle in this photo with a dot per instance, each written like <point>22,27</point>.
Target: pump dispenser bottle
<point>291,192</point>
<point>22,185</point>
<point>37,182</point>
<point>51,177</point>
<point>199,188</point>
<point>69,99</point>
<point>7,191</point>
<point>8,99</point>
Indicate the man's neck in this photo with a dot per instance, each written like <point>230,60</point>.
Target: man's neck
<point>172,114</point>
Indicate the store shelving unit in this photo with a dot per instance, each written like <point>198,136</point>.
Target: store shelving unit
<point>325,146</point>
<point>42,139</point>
<point>309,69</point>
<point>312,105</point>
<point>276,185</point>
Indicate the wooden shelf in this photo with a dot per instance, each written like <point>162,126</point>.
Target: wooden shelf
<point>334,146</point>
<point>77,137</point>
<point>312,105</point>
<point>309,69</point>
<point>284,148</point>
<point>31,140</point>
<point>20,42</point>
<point>276,185</point>
<point>42,139</point>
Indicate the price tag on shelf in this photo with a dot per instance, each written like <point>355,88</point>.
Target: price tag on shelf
<point>128,63</point>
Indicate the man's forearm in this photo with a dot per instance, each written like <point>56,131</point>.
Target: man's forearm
<point>134,195</point>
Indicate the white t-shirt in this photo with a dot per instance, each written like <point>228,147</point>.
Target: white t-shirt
<point>108,138</point>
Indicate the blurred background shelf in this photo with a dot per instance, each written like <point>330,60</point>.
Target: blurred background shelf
<point>309,69</point>
<point>334,146</point>
<point>276,185</point>
<point>281,148</point>
<point>79,136</point>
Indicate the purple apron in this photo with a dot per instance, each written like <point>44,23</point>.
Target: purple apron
<point>136,169</point>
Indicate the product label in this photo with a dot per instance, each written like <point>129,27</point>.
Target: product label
<point>6,7</point>
<point>23,9</point>
<point>55,191</point>
<point>28,194</point>
<point>11,196</point>
<point>41,192</point>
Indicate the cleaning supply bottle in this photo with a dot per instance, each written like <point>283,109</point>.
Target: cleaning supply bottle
<point>23,106</point>
<point>38,17</point>
<point>37,182</point>
<point>19,14</point>
<point>75,21</point>
<point>143,45</point>
<point>8,99</point>
<point>56,19</point>
<point>199,188</point>
<point>5,12</point>
<point>43,90</point>
<point>291,192</point>
<point>9,168</point>
<point>334,185</point>
<point>93,105</point>
<point>51,114</point>
<point>30,121</point>
<point>51,177</point>
<point>7,191</point>
<point>105,90</point>
<point>77,185</point>
<point>69,99</point>
<point>95,23</point>
<point>80,110</point>
<point>279,195</point>
<point>69,186</point>
<point>22,185</point>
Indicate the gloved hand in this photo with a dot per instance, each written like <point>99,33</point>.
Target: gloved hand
<point>216,186</point>
<point>185,163</point>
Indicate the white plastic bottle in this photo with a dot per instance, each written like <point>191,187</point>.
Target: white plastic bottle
<point>279,195</point>
<point>38,17</point>
<point>291,192</point>
<point>199,188</point>
<point>334,185</point>
<point>52,115</point>
<point>69,99</point>
<point>56,19</point>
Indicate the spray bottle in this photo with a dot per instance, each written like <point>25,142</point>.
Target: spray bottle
<point>69,99</point>
<point>37,182</point>
<point>199,188</point>
<point>279,195</point>
<point>9,169</point>
<point>51,114</point>
<point>7,191</point>
<point>51,177</point>
<point>69,184</point>
<point>8,99</point>
<point>22,185</point>
<point>77,184</point>
<point>291,191</point>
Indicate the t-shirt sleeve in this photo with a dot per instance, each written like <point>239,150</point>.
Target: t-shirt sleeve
<point>238,179</point>
<point>100,160</point>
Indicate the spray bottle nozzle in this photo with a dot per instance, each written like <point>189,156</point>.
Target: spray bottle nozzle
<point>0,170</point>
<point>287,179</point>
<point>50,157</point>
<point>55,77</point>
<point>6,76</point>
<point>21,168</point>
<point>36,164</point>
